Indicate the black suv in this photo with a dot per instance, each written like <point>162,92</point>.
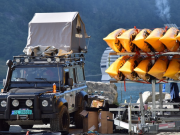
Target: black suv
<point>42,90</point>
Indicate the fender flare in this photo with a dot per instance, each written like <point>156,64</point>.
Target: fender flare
<point>60,102</point>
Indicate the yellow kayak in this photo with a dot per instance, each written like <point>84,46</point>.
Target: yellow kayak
<point>128,69</point>
<point>169,39</point>
<point>113,70</point>
<point>139,40</point>
<point>113,42</point>
<point>159,68</point>
<point>126,39</point>
<point>143,68</point>
<point>173,68</point>
<point>153,39</point>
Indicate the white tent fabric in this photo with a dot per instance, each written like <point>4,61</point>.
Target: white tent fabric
<point>57,29</point>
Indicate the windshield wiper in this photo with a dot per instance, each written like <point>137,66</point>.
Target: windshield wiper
<point>22,79</point>
<point>44,79</point>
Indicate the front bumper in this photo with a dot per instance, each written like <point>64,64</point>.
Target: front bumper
<point>30,117</point>
<point>38,111</point>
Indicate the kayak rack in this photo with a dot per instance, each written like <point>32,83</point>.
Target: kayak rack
<point>147,118</point>
<point>143,53</point>
<point>68,59</point>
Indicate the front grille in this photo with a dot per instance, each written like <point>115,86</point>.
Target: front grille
<point>22,105</point>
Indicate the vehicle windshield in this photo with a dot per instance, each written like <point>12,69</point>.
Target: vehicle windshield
<point>36,74</point>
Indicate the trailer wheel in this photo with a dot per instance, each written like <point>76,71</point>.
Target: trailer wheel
<point>61,123</point>
<point>4,126</point>
<point>26,126</point>
<point>78,119</point>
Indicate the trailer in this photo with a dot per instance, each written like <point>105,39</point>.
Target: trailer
<point>146,119</point>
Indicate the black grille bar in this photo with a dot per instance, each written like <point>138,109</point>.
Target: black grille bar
<point>22,104</point>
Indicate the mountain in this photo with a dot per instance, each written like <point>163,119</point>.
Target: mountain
<point>100,18</point>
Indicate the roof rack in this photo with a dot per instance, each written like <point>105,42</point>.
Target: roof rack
<point>68,59</point>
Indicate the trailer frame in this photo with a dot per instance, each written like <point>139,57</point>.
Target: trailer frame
<point>156,122</point>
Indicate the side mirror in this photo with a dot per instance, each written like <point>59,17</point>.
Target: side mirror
<point>4,82</point>
<point>70,82</point>
<point>9,63</point>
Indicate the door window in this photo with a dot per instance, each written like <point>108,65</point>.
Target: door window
<point>72,73</point>
<point>80,74</point>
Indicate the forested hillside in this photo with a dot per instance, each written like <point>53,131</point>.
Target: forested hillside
<point>100,17</point>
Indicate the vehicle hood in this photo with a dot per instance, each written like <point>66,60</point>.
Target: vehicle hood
<point>35,91</point>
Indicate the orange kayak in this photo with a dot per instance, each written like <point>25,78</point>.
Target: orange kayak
<point>113,42</point>
<point>126,39</point>
<point>113,70</point>
<point>159,68</point>
<point>140,38</point>
<point>153,39</point>
<point>143,68</point>
<point>169,39</point>
<point>173,68</point>
<point>128,69</point>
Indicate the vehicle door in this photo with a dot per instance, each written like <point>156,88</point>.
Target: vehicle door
<point>69,93</point>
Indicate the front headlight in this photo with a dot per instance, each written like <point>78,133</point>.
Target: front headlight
<point>29,102</point>
<point>44,103</point>
<point>3,103</point>
<point>15,103</point>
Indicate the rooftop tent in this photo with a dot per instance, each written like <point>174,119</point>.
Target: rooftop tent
<point>63,30</point>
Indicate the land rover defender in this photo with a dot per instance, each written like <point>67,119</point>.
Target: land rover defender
<point>42,90</point>
<point>47,83</point>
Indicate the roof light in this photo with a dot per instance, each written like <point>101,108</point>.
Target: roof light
<point>57,59</point>
<point>49,60</point>
<point>17,60</point>
<point>26,60</point>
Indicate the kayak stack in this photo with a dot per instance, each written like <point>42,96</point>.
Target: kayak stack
<point>152,59</point>
<point>145,40</point>
<point>137,68</point>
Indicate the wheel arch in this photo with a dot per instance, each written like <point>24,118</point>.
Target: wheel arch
<point>80,96</point>
<point>61,102</point>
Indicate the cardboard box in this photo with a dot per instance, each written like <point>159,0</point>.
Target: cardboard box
<point>103,126</point>
<point>105,115</point>
<point>105,119</point>
<point>110,127</point>
<point>90,120</point>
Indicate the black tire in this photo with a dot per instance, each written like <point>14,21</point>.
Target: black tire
<point>4,126</point>
<point>61,123</point>
<point>26,126</point>
<point>78,119</point>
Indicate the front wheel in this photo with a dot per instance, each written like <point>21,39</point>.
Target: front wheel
<point>4,126</point>
<point>61,123</point>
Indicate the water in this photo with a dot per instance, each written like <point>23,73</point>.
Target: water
<point>133,90</point>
